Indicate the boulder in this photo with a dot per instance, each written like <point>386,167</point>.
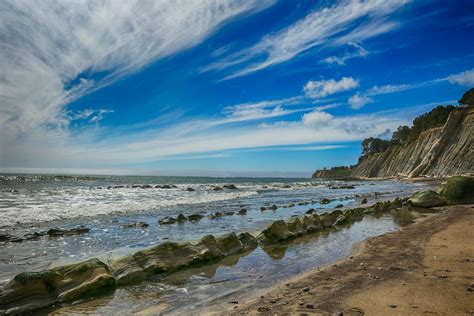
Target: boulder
<point>195,217</point>
<point>242,211</point>
<point>248,241</point>
<point>56,232</point>
<point>136,225</point>
<point>295,226</point>
<point>324,201</point>
<point>364,201</point>
<point>217,189</point>
<point>189,190</point>
<point>229,244</point>
<point>230,187</point>
<point>275,232</point>
<point>340,206</point>
<point>310,211</point>
<point>457,188</point>
<point>426,198</point>
<point>181,218</point>
<point>167,220</point>
<point>308,224</point>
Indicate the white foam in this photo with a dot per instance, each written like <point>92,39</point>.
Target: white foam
<point>26,207</point>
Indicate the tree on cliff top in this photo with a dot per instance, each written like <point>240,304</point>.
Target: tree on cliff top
<point>467,98</point>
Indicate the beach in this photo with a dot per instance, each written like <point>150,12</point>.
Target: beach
<point>424,268</point>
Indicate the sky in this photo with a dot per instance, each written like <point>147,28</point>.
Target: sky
<point>214,87</point>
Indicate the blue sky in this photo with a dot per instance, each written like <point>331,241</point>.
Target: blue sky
<point>220,87</point>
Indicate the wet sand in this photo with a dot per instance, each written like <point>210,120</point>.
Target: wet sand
<point>424,268</point>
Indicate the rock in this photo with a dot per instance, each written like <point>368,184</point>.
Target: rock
<point>310,306</point>
<point>229,213</point>
<point>242,211</point>
<point>229,244</point>
<point>324,201</point>
<point>216,215</point>
<point>426,198</point>
<point>217,189</point>
<point>272,207</point>
<point>146,186</point>
<point>136,225</point>
<point>310,211</point>
<point>248,241</point>
<point>189,190</point>
<point>340,206</point>
<point>308,224</point>
<point>328,219</point>
<point>195,217</point>
<point>230,187</point>
<point>317,221</point>
<point>290,205</point>
<point>305,289</point>
<point>457,188</point>
<point>6,237</point>
<point>275,232</point>
<point>295,226</point>
<point>55,232</point>
<point>392,306</point>
<point>181,218</point>
<point>29,291</point>
<point>167,220</point>
<point>364,201</point>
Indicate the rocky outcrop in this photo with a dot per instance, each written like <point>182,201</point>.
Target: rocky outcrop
<point>442,151</point>
<point>33,290</point>
<point>426,198</point>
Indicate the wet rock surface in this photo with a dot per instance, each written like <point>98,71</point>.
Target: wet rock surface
<point>55,232</point>
<point>427,198</point>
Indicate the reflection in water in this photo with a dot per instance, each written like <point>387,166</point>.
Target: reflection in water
<point>236,276</point>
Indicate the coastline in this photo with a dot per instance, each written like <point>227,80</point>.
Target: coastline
<point>383,273</point>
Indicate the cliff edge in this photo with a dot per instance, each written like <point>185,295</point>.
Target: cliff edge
<point>437,152</point>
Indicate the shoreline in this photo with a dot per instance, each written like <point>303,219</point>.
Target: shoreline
<point>381,269</point>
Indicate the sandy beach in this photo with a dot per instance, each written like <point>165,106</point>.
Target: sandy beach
<point>424,268</point>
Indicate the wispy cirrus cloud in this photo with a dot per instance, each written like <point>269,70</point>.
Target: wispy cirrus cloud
<point>333,25</point>
<point>52,53</point>
<point>357,101</point>
<point>359,52</point>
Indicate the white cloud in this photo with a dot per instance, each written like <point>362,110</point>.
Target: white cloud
<point>321,27</point>
<point>465,78</point>
<point>317,119</point>
<point>52,53</point>
<point>360,51</point>
<point>389,88</point>
<point>357,101</point>
<point>323,88</point>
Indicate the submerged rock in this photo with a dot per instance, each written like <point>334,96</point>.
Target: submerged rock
<point>181,218</point>
<point>324,201</point>
<point>271,207</point>
<point>136,225</point>
<point>426,198</point>
<point>167,220</point>
<point>56,232</point>
<point>195,217</point>
<point>189,190</point>
<point>242,211</point>
<point>364,201</point>
<point>230,187</point>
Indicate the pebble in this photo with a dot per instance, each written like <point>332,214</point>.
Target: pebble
<point>311,306</point>
<point>361,264</point>
<point>306,289</point>
<point>392,306</point>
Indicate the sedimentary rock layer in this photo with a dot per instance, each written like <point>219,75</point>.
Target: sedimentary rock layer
<point>441,151</point>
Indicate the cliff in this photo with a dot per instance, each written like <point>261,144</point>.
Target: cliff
<point>439,152</point>
<point>332,174</point>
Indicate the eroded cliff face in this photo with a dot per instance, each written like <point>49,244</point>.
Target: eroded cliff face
<point>438,152</point>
